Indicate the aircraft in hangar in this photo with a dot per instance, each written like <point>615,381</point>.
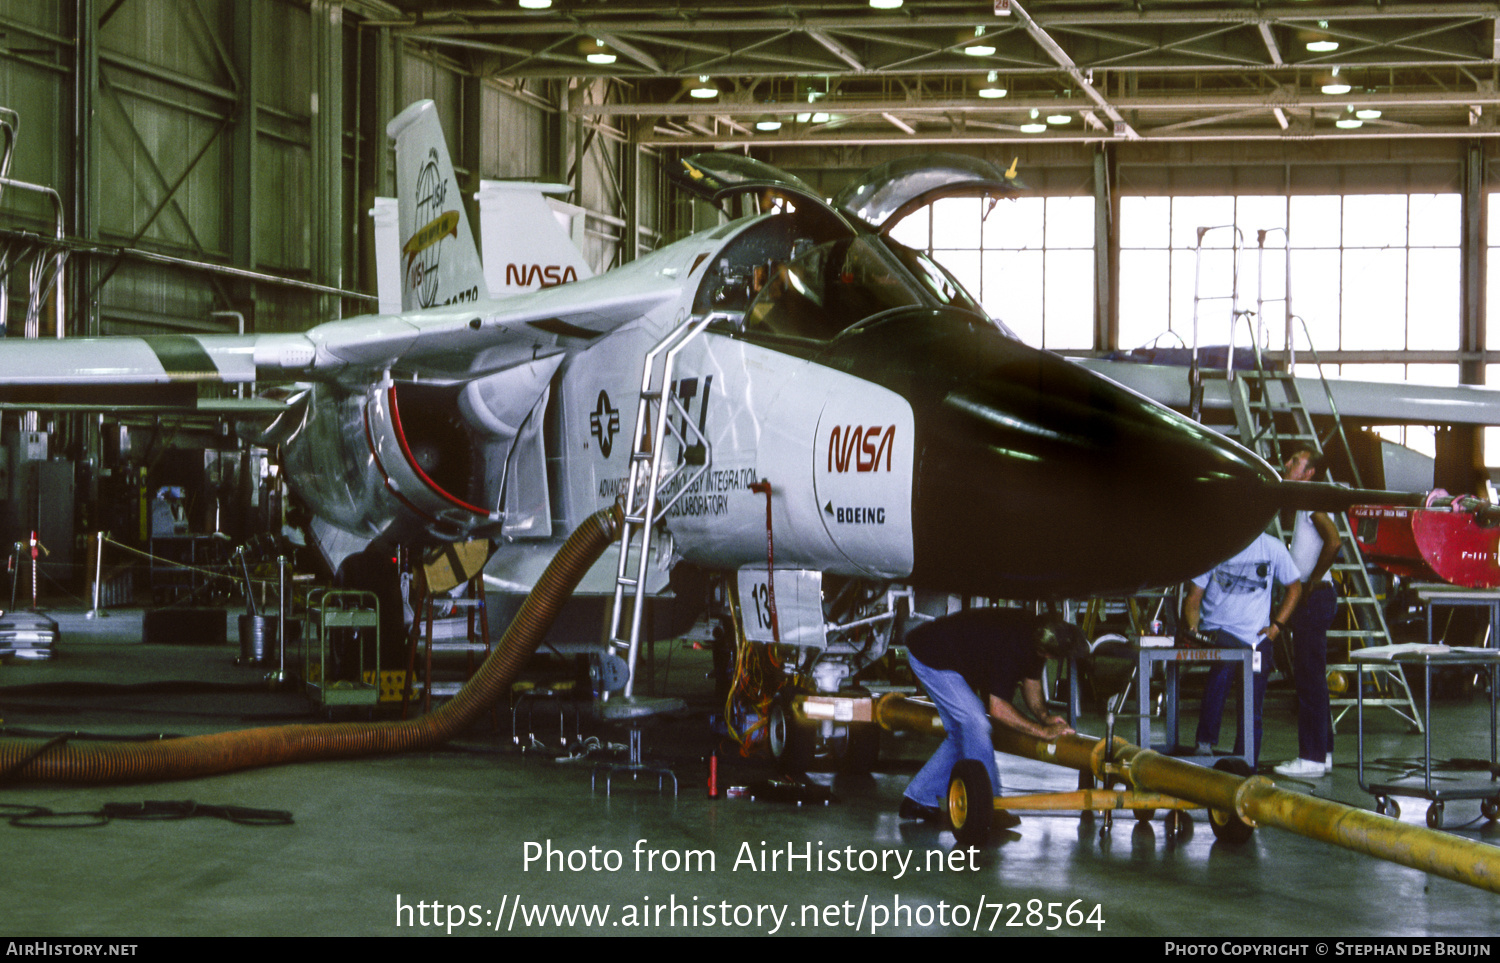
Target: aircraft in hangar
<point>838,410</point>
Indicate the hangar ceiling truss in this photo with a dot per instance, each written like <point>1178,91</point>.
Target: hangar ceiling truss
<point>840,72</point>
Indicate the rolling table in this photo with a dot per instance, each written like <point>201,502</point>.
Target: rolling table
<point>1174,659</point>
<point>1434,594</point>
<point>1428,656</point>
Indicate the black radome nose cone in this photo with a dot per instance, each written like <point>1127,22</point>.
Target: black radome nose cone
<point>1038,479</point>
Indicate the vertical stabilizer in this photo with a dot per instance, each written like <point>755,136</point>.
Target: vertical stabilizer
<point>526,238</point>
<point>439,263</point>
<point>387,225</point>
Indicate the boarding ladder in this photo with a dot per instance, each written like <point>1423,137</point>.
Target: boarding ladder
<point>649,495</point>
<point>1195,374</point>
<point>1274,421</point>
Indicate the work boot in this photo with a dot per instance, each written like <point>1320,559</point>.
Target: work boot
<point>911,811</point>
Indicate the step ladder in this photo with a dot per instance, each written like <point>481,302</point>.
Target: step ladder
<point>420,638</point>
<point>1273,421</point>
<point>650,494</point>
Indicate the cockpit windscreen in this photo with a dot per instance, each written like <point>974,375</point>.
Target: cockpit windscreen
<point>829,288</point>
<point>786,281</point>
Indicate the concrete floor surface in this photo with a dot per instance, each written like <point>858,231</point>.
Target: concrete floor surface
<point>483,839</point>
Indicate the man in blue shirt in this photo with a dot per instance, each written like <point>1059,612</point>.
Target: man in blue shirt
<point>993,650</point>
<point>1233,599</point>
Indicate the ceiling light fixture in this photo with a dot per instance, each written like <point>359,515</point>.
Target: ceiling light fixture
<point>1348,123</point>
<point>705,90</point>
<point>885,4</point>
<point>1333,85</point>
<point>1367,113</point>
<point>1320,42</point>
<point>1034,127</point>
<point>535,4</point>
<point>991,89</point>
<point>980,49</point>
<point>1058,118</point>
<point>768,123</point>
<point>595,52</point>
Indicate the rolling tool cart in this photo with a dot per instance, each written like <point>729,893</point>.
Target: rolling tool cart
<point>339,670</point>
<point>1422,787</point>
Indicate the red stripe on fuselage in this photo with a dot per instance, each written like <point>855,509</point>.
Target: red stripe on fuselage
<point>390,486</point>
<point>412,461</point>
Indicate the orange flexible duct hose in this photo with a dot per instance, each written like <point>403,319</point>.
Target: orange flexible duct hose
<point>193,756</point>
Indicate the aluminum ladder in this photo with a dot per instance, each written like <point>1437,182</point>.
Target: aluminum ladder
<point>647,487</point>
<point>1274,422</point>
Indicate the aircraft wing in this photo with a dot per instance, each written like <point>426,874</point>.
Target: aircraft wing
<point>453,343</point>
<point>1368,401</point>
<point>466,341</point>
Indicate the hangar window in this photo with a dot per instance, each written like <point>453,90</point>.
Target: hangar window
<point>1376,273</point>
<point>1030,262</point>
<point>1370,273</point>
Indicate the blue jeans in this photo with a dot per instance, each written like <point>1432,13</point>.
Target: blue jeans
<point>1310,663</point>
<point>1216,692</point>
<point>967,725</point>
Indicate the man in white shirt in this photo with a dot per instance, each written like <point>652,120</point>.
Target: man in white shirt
<point>1233,599</point>
<point>1315,546</point>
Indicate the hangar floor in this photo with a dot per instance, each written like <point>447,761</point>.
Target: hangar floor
<point>439,842</point>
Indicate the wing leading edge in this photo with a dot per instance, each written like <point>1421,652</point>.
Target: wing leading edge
<point>445,343</point>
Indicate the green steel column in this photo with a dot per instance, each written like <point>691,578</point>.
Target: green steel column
<point>383,90</point>
<point>469,149</point>
<point>630,244</point>
<point>1474,240</point>
<point>326,199</point>
<point>1106,251</point>
<point>244,231</point>
<point>372,175</point>
<point>1460,450</point>
<point>82,211</point>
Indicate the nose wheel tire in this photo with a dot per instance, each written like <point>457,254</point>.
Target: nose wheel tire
<point>861,749</point>
<point>970,805</point>
<point>791,743</point>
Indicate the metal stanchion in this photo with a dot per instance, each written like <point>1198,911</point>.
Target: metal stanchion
<point>98,574</point>
<point>279,676</point>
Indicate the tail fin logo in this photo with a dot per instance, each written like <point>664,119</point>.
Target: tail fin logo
<point>424,250</point>
<point>439,264</point>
